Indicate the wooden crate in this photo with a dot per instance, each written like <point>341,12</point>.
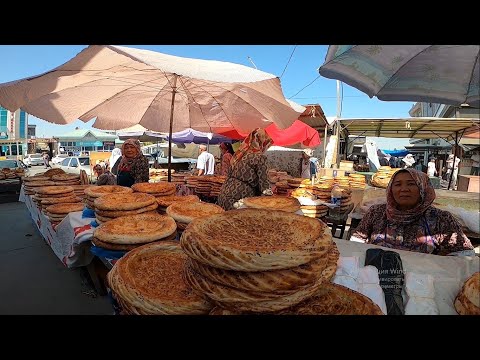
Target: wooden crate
<point>469,183</point>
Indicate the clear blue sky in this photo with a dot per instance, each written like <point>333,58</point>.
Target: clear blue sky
<point>19,61</point>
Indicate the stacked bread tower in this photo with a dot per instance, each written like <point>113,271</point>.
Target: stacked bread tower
<point>382,177</point>
<point>159,189</point>
<point>112,206</point>
<point>94,192</point>
<point>357,181</point>
<point>165,201</point>
<point>33,182</point>
<point>179,178</point>
<point>148,281</point>
<point>79,191</point>
<point>280,180</point>
<point>7,173</point>
<point>256,261</point>
<point>185,212</point>
<point>467,302</point>
<point>46,196</point>
<point>57,212</point>
<point>129,232</point>
<point>216,183</point>
<point>66,179</point>
<point>156,175</point>
<point>277,203</point>
<point>192,181</point>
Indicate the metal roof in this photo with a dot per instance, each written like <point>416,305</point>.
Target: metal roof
<point>416,127</point>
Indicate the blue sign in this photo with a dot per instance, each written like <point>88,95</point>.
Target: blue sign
<point>89,143</point>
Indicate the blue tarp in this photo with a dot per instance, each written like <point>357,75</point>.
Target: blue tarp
<point>189,135</point>
<point>396,153</point>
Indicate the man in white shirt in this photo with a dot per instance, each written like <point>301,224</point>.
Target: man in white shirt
<point>205,161</point>
<point>432,170</point>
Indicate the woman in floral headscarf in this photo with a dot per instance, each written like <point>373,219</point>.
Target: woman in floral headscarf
<point>408,221</point>
<point>248,173</point>
<point>133,166</point>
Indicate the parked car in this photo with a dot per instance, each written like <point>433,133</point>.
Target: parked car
<point>59,158</point>
<point>33,159</point>
<point>74,164</point>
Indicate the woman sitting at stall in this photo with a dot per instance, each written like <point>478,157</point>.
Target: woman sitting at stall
<point>248,174</point>
<point>227,154</point>
<point>133,166</point>
<point>408,221</point>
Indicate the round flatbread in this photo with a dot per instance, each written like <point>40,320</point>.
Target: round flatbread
<point>136,229</point>
<point>65,208</point>
<point>149,280</point>
<point>280,203</point>
<point>127,247</point>
<point>131,201</point>
<point>54,190</point>
<point>65,177</point>
<point>49,173</point>
<point>97,191</point>
<point>31,179</point>
<point>155,188</point>
<point>166,201</point>
<point>115,214</point>
<point>186,212</point>
<point>256,240</point>
<point>60,200</point>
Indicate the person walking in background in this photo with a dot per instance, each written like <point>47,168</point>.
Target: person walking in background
<point>46,160</point>
<point>475,164</point>
<point>452,168</point>
<point>205,161</point>
<point>419,165</point>
<point>248,174</point>
<point>432,170</point>
<point>308,164</point>
<point>227,154</point>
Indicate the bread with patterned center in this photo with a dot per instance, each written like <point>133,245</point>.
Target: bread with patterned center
<point>127,247</point>
<point>186,212</point>
<point>56,171</point>
<point>149,280</point>
<point>132,201</point>
<point>280,203</point>
<point>155,188</point>
<point>136,229</point>
<point>467,301</point>
<point>54,190</point>
<point>65,177</point>
<point>256,240</point>
<point>115,213</point>
<point>97,191</point>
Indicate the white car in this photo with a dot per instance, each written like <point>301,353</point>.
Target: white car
<point>33,159</point>
<point>74,164</point>
<point>59,158</point>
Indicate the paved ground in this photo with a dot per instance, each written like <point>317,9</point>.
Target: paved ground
<point>32,279</point>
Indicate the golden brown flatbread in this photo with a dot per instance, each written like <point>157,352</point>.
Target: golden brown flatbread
<point>97,191</point>
<point>65,177</point>
<point>155,188</point>
<point>59,200</point>
<point>256,240</point>
<point>32,179</point>
<point>166,201</point>
<point>116,202</point>
<point>127,247</point>
<point>65,208</point>
<point>186,212</point>
<point>467,302</point>
<point>136,229</point>
<point>54,190</point>
<point>149,280</point>
<point>281,203</point>
<point>114,214</point>
<point>49,173</point>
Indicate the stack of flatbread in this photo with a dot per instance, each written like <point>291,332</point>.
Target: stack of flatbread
<point>382,177</point>
<point>129,232</point>
<point>253,260</point>
<point>55,171</point>
<point>357,181</point>
<point>66,179</point>
<point>192,181</point>
<point>314,211</point>
<point>203,187</point>
<point>275,176</point>
<point>185,212</point>
<point>346,201</point>
<point>342,181</point>
<point>330,299</point>
<point>148,281</point>
<point>57,212</point>
<point>322,188</point>
<point>111,206</point>
<point>282,187</point>
<point>80,190</point>
<point>94,192</point>
<point>49,195</point>
<point>279,203</point>
<point>165,201</point>
<point>216,183</point>
<point>179,178</point>
<point>7,173</point>
<point>162,188</point>
<point>295,182</point>
<point>32,182</point>
<point>467,301</point>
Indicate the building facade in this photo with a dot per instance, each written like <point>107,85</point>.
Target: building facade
<point>85,140</point>
<point>13,132</point>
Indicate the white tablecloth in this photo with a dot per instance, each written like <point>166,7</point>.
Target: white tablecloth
<point>69,240</point>
<point>449,272</point>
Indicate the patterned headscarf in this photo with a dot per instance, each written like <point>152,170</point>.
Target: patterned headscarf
<point>126,163</point>
<point>258,141</point>
<point>427,195</point>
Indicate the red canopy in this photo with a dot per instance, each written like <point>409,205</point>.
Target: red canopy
<point>298,132</point>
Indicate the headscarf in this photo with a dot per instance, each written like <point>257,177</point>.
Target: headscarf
<point>409,160</point>
<point>258,141</point>
<point>126,163</point>
<point>427,195</point>
<point>227,147</point>
<point>116,153</point>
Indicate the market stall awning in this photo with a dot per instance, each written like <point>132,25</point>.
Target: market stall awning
<point>140,133</point>
<point>297,133</point>
<point>188,136</point>
<point>416,127</point>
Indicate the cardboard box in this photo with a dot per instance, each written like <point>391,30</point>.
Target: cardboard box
<point>468,183</point>
<point>330,172</point>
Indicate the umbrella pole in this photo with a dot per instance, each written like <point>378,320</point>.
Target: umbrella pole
<point>454,159</point>
<point>170,131</point>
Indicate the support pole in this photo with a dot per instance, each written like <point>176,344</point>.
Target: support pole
<point>170,131</point>
<point>325,145</point>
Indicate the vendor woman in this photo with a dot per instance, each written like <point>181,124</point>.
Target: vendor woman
<point>133,165</point>
<point>408,221</point>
